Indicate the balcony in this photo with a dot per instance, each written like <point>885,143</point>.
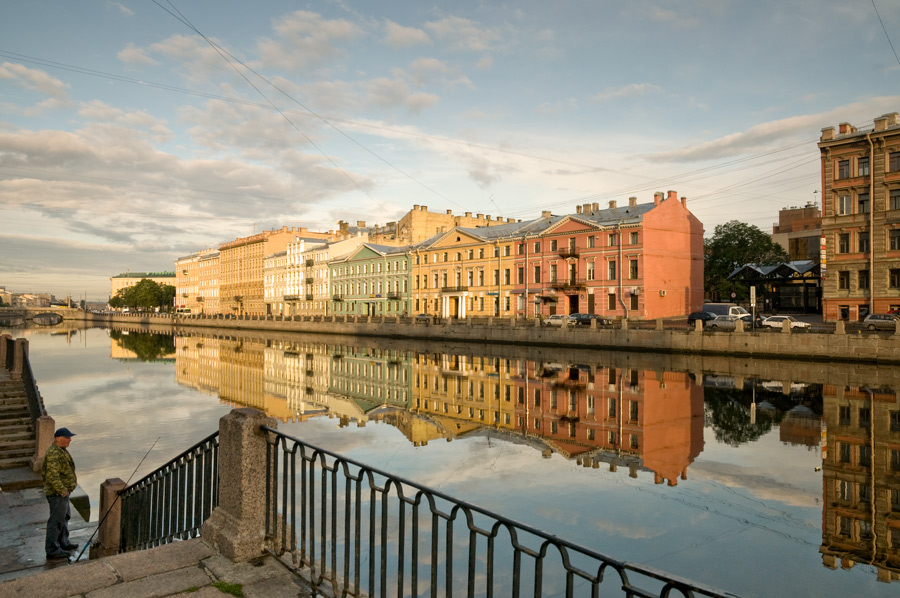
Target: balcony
<point>568,283</point>
<point>394,296</point>
<point>337,298</point>
<point>456,289</point>
<point>567,252</point>
<point>310,280</point>
<point>310,263</point>
<point>309,297</point>
<point>292,297</point>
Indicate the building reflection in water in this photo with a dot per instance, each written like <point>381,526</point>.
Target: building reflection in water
<point>596,415</point>
<point>861,479</point>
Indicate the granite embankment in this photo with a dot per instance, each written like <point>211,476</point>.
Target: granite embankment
<point>837,346</point>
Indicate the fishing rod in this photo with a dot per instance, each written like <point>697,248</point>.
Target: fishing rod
<point>118,494</point>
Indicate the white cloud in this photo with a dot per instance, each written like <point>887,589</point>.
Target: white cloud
<point>398,36</point>
<point>33,79</point>
<point>463,34</point>
<point>567,105</point>
<point>121,8</point>
<point>131,54</point>
<point>627,91</point>
<point>305,39</point>
<point>389,93</point>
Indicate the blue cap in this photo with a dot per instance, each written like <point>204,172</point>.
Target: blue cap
<point>64,432</point>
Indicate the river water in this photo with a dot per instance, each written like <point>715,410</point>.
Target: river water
<point>756,486</point>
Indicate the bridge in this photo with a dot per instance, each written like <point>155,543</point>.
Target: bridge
<point>40,316</point>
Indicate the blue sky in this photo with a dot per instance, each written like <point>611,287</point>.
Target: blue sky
<point>128,139</point>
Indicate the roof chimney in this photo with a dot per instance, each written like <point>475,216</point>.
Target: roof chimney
<point>657,197</point>
<point>595,207</point>
<point>672,195</point>
<point>449,212</point>
<point>632,201</point>
<point>415,207</point>
<point>424,208</point>
<point>586,208</point>
<point>827,134</point>
<point>578,209</point>
<point>546,214</point>
<point>612,204</point>
<point>684,201</point>
<point>361,223</point>
<point>468,214</point>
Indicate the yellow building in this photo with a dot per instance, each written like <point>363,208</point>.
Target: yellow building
<point>419,224</point>
<point>197,282</point>
<point>242,268</point>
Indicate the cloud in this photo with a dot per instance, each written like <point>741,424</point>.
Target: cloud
<point>34,80</point>
<point>389,93</point>
<point>140,119</point>
<point>121,8</point>
<point>398,36</point>
<point>131,54</point>
<point>463,35</point>
<point>768,134</point>
<point>627,91</point>
<point>560,106</point>
<point>304,40</point>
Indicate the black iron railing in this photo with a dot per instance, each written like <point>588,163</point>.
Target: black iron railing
<point>172,502</point>
<point>353,530</point>
<point>35,402</point>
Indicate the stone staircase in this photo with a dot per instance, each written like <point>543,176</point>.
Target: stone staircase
<point>17,434</point>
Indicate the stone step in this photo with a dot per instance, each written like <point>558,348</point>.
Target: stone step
<point>12,423</point>
<point>14,412</point>
<point>14,462</point>
<point>17,445</point>
<point>15,434</point>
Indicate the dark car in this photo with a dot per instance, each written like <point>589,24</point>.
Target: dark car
<point>703,316</point>
<point>586,319</point>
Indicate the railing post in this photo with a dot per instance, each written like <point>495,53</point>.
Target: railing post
<point>5,342</point>
<point>43,433</point>
<point>109,533</point>
<point>236,528</point>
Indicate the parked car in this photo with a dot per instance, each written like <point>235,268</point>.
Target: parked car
<point>724,309</point>
<point>778,322</point>
<point>423,319</point>
<point>703,316</point>
<point>880,322</point>
<point>722,322</point>
<point>557,320</point>
<point>586,319</point>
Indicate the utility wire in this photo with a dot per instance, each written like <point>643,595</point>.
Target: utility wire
<point>890,43</point>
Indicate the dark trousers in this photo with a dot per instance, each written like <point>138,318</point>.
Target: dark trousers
<point>58,524</point>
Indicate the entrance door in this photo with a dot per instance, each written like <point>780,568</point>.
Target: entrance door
<point>590,307</point>
<point>573,304</point>
<point>454,307</point>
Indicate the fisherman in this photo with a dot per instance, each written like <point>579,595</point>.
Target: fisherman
<point>59,482</point>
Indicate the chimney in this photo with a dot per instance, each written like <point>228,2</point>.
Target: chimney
<point>881,123</point>
<point>424,208</point>
<point>657,197</point>
<point>415,207</point>
<point>488,217</point>
<point>361,223</point>
<point>827,134</point>
<point>893,119</point>
<point>586,208</point>
<point>632,201</point>
<point>480,216</point>
<point>449,212</point>
<point>684,201</point>
<point>595,207</point>
<point>612,204</point>
<point>844,128</point>
<point>468,214</point>
<point>578,209</point>
<point>546,214</point>
<point>672,195</point>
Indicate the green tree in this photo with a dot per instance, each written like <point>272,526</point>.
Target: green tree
<point>731,246</point>
<point>146,345</point>
<point>146,294</point>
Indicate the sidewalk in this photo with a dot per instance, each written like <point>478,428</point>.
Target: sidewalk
<point>187,569</point>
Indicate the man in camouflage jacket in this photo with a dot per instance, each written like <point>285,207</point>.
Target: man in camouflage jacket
<point>59,482</point>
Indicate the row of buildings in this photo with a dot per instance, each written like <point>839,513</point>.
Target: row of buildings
<point>633,260</point>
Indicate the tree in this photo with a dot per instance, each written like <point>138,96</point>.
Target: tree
<point>733,245</point>
<point>146,294</point>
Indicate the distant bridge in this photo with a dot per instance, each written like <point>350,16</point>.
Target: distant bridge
<point>40,316</point>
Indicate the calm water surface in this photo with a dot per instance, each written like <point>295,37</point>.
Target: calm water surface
<point>728,486</point>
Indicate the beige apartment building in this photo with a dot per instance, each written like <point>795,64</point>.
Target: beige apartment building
<point>419,224</point>
<point>197,283</point>
<point>129,279</point>
<point>861,218</point>
<point>242,268</point>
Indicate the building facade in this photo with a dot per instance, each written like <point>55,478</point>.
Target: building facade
<point>372,280</point>
<point>861,218</point>
<point>129,279</point>
<point>197,282</point>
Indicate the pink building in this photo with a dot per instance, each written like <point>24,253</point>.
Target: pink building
<point>639,261</point>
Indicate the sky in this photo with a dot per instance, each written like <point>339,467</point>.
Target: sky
<point>133,133</point>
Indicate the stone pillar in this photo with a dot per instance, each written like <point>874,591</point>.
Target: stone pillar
<point>110,531</point>
<point>20,354</point>
<point>44,431</point>
<point>786,327</point>
<point>236,528</point>
<point>738,325</point>
<point>659,324</point>
<point>698,325</point>
<point>839,327</point>
<point>5,340</point>
<point>624,324</point>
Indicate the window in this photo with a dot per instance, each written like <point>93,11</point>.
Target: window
<point>844,415</point>
<point>865,417</point>
<point>537,247</point>
<point>895,199</point>
<point>590,241</point>
<point>862,166</point>
<point>863,242</point>
<point>590,268</point>
<point>845,452</point>
<point>844,169</point>
<point>506,250</point>
<point>537,397</point>
<point>843,490</point>
<point>895,421</point>
<point>894,278</point>
<point>634,238</point>
<point>612,240</point>
<point>481,253</point>
<point>634,302</point>
<point>521,249</point>
<point>865,456</point>
<point>612,270</point>
<point>552,272</point>
<point>846,526</point>
<point>520,276</point>
<point>894,239</point>
<point>612,408</point>
<point>633,410</point>
<point>506,278</point>
<point>844,243</point>
<point>553,245</point>
<point>895,460</point>
<point>843,205</point>
<point>863,280</point>
<point>611,436</point>
<point>537,274</point>
<point>863,204</point>
<point>632,269</point>
<point>634,441</point>
<point>894,162</point>
<point>843,279</point>
<point>611,301</point>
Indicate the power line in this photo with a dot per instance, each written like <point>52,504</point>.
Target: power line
<point>890,43</point>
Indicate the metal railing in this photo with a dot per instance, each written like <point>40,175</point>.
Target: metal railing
<point>172,502</point>
<point>353,530</point>
<point>35,402</point>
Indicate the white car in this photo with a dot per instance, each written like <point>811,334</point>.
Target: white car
<point>778,322</point>
<point>557,320</point>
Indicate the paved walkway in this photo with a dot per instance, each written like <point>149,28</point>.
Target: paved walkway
<point>188,569</point>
